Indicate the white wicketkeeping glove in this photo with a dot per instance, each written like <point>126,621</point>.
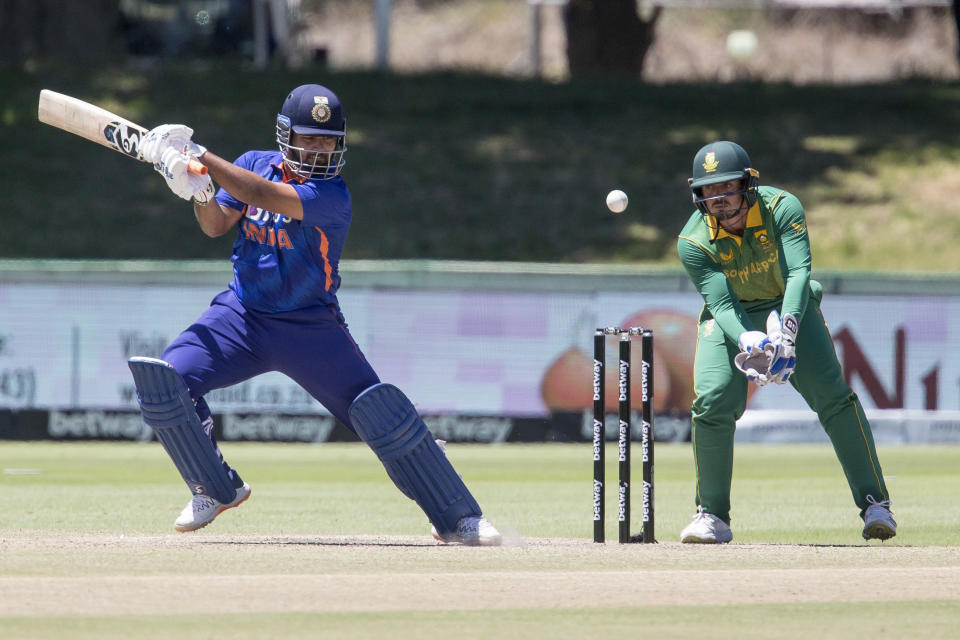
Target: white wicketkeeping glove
<point>755,357</point>
<point>173,167</point>
<point>168,136</point>
<point>783,334</point>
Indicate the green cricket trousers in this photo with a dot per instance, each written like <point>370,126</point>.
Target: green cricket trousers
<point>721,397</point>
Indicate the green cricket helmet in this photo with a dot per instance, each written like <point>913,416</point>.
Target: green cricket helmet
<point>723,161</point>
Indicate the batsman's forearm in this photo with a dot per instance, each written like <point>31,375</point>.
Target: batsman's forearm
<point>252,189</point>
<point>241,183</point>
<point>214,220</point>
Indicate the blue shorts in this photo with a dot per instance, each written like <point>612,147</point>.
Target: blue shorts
<point>230,343</point>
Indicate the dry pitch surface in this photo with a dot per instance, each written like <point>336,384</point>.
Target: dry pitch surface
<point>43,574</point>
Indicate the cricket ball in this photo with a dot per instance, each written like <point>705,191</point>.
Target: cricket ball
<point>617,201</point>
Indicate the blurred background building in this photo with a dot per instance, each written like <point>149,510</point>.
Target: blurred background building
<point>800,41</point>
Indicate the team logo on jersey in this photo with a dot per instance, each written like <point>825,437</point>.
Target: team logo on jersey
<point>710,162</point>
<point>321,109</point>
<point>707,327</point>
<point>763,239</point>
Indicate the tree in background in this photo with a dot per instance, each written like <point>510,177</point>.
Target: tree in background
<point>607,36</point>
<point>77,31</point>
<point>956,19</point>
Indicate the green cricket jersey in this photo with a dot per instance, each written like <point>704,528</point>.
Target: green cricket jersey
<point>768,266</point>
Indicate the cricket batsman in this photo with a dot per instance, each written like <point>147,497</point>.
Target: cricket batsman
<point>290,211</point>
<point>747,251</point>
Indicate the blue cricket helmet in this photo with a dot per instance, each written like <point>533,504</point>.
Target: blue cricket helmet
<point>312,110</point>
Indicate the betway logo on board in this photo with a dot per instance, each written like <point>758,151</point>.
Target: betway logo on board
<point>269,427</point>
<point>97,425</point>
<point>469,428</point>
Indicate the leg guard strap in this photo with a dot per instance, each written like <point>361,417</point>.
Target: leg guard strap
<point>167,407</point>
<point>388,422</point>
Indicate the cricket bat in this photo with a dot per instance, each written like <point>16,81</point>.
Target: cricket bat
<point>97,125</point>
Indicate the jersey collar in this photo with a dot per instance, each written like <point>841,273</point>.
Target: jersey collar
<point>754,219</point>
<point>288,176</point>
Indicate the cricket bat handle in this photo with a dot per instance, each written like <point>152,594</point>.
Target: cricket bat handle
<point>197,167</point>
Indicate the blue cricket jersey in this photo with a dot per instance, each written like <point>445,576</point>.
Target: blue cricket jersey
<point>281,264</point>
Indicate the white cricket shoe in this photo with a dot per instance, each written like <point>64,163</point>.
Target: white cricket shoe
<point>201,510</point>
<point>878,522</point>
<point>706,528</point>
<point>472,531</point>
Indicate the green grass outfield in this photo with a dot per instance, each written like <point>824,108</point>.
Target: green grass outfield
<point>95,520</point>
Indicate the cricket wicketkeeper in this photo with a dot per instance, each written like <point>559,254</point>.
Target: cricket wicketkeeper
<point>747,252</point>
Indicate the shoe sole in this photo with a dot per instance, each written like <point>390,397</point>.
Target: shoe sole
<point>691,539</point>
<point>878,532</point>
<point>489,542</point>
<point>702,541</point>
<point>189,528</point>
<point>481,542</point>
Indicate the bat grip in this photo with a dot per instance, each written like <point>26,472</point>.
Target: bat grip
<point>195,166</point>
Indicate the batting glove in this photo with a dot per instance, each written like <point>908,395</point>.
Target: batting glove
<point>168,136</point>
<point>783,334</point>
<point>206,194</point>
<point>173,167</point>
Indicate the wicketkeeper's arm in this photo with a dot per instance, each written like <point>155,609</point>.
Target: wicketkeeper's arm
<point>710,281</point>
<point>795,258</point>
